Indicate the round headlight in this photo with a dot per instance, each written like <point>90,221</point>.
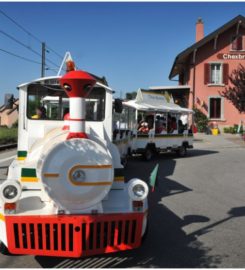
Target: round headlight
<point>137,189</point>
<point>10,191</point>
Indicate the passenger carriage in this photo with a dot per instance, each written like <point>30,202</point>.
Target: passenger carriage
<point>153,132</point>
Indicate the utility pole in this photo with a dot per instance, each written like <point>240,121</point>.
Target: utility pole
<point>43,59</point>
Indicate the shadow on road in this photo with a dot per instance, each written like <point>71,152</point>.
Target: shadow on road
<point>200,152</point>
<point>167,245</point>
<point>167,163</point>
<point>233,213</point>
<point>190,153</point>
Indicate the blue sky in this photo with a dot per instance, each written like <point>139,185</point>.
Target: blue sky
<point>132,44</point>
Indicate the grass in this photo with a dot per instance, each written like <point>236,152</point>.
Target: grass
<point>8,135</point>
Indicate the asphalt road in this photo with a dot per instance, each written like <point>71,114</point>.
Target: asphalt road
<point>196,218</point>
<point>5,159</point>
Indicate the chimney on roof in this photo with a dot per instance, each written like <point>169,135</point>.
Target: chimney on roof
<point>199,29</point>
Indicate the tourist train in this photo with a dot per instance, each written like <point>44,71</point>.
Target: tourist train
<point>65,192</point>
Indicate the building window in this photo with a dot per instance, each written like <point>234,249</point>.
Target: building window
<point>215,108</point>
<point>216,73</point>
<point>237,43</point>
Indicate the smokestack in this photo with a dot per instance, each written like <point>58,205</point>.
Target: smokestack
<point>199,29</point>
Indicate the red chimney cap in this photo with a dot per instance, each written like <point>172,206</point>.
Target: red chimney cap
<point>77,83</point>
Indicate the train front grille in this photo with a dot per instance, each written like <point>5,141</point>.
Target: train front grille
<point>73,235</point>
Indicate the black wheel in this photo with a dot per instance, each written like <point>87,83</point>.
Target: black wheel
<point>148,155</point>
<point>182,151</point>
<point>3,249</point>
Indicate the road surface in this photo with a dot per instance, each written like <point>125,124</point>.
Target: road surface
<point>196,218</point>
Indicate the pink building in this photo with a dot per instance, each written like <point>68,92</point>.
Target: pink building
<point>205,67</point>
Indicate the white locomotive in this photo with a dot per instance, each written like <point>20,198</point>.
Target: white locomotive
<point>65,193</point>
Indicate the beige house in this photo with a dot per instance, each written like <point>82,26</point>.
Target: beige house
<point>9,116</point>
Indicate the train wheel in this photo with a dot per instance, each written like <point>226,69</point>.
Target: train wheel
<point>182,151</point>
<point>3,249</point>
<point>148,155</point>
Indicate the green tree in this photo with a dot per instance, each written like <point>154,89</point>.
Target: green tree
<point>131,95</point>
<point>236,92</point>
<point>201,120</point>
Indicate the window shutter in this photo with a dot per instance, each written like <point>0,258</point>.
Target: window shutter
<point>225,73</point>
<point>239,43</point>
<point>206,73</point>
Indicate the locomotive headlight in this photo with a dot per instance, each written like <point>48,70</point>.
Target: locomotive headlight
<point>10,191</point>
<point>137,189</point>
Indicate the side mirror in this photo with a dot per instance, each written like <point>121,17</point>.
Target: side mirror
<point>118,106</point>
<point>9,101</point>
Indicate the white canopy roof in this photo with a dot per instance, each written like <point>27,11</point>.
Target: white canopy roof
<point>150,101</point>
<point>55,81</point>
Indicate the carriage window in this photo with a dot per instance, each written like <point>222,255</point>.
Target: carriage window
<point>46,102</point>
<point>95,105</point>
<point>51,103</point>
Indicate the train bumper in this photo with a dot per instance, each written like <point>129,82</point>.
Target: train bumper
<point>73,235</point>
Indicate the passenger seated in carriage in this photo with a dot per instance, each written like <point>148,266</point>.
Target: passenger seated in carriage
<point>160,125</point>
<point>173,125</point>
<point>40,113</point>
<point>143,128</point>
<point>161,129</point>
